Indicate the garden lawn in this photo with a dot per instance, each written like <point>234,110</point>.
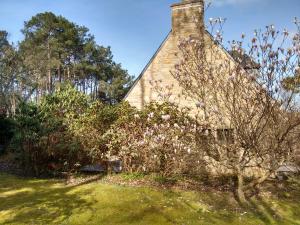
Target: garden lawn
<point>45,202</point>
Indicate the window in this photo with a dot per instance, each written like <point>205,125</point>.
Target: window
<point>222,136</point>
<point>225,136</point>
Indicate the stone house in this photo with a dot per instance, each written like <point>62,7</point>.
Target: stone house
<point>187,19</point>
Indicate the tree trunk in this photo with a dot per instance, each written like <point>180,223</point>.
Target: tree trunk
<point>13,106</point>
<point>59,74</point>
<point>96,89</point>
<point>49,69</point>
<point>91,89</point>
<point>49,81</point>
<point>257,182</point>
<point>240,190</point>
<point>68,73</point>
<point>83,86</point>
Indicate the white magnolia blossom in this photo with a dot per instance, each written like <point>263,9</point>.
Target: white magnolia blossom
<point>166,117</point>
<point>231,77</point>
<point>200,104</point>
<point>176,125</point>
<point>272,27</point>
<point>151,115</point>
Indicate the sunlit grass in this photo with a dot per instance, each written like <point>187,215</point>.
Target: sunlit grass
<point>35,201</point>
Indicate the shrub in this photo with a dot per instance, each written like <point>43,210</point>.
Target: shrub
<point>25,140</point>
<point>6,129</point>
<point>63,132</point>
<point>58,112</point>
<point>89,128</point>
<point>161,138</point>
<point>7,126</point>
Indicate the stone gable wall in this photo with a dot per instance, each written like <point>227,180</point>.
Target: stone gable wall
<point>185,23</point>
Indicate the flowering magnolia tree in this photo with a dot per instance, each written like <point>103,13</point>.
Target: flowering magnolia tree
<point>249,119</point>
<point>160,138</point>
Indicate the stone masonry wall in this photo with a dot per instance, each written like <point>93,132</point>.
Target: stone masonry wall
<point>187,19</point>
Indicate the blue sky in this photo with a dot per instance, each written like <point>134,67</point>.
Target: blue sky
<point>135,28</point>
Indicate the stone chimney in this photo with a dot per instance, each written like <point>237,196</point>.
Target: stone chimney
<point>188,18</point>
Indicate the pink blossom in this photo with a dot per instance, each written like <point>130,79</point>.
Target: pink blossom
<point>285,32</point>
<point>166,117</point>
<point>200,104</point>
<point>151,115</point>
<point>231,77</point>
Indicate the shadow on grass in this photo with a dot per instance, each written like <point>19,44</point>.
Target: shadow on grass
<point>263,210</point>
<point>29,201</point>
<point>284,205</point>
<point>25,201</point>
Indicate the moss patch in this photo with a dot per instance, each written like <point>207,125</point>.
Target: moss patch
<point>36,201</point>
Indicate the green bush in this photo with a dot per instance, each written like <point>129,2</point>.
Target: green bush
<point>58,113</point>
<point>66,130</point>
<point>63,132</point>
<point>89,128</point>
<point>26,136</point>
<point>7,127</point>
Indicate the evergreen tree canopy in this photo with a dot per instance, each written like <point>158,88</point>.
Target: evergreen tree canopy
<point>56,50</point>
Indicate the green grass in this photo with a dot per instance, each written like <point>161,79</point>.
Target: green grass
<point>36,201</point>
